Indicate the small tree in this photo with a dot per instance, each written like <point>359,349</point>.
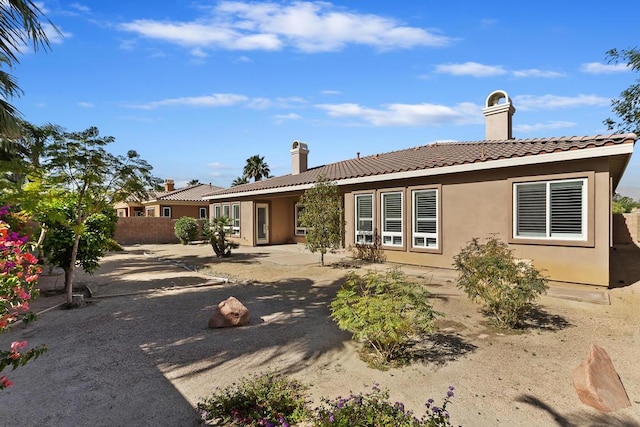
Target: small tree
<point>95,237</point>
<point>216,232</point>
<point>322,216</point>
<point>186,229</point>
<point>507,287</point>
<point>627,106</point>
<point>78,163</point>
<point>385,311</point>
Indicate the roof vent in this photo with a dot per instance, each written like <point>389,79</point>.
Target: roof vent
<point>498,112</point>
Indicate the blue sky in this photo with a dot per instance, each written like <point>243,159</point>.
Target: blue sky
<point>197,87</point>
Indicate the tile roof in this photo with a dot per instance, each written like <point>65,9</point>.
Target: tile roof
<point>435,155</point>
<point>193,193</point>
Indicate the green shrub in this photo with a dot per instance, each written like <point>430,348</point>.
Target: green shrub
<point>216,232</point>
<point>507,287</point>
<point>374,409</point>
<point>263,399</point>
<point>186,229</point>
<point>385,311</point>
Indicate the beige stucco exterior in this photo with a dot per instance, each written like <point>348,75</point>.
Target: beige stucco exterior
<point>479,205</point>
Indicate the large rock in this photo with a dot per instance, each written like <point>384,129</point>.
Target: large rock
<point>598,384</point>
<point>229,312</point>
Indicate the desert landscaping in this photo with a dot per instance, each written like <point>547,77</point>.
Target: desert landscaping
<point>139,351</point>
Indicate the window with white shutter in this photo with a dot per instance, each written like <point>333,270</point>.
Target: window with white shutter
<point>392,219</point>
<point>551,209</point>
<point>235,219</point>
<point>364,218</point>
<point>425,219</point>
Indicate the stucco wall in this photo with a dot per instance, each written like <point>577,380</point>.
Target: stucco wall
<point>626,228</point>
<point>132,230</point>
<point>479,204</point>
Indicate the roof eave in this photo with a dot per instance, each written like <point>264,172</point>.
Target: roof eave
<point>586,153</point>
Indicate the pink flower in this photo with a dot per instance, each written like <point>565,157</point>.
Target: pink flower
<point>16,345</point>
<point>5,382</point>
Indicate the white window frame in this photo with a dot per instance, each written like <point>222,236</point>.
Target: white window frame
<point>226,210</point>
<point>166,211</point>
<point>216,211</point>
<point>202,213</point>
<point>548,233</point>
<point>364,236</point>
<point>427,238</point>
<point>391,238</point>
<point>235,219</point>
<point>299,229</point>
<point>150,212</point>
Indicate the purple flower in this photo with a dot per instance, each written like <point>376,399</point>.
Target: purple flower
<point>449,393</point>
<point>436,410</point>
<point>331,418</point>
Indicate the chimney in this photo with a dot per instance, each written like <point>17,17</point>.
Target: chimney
<point>168,185</point>
<point>498,116</point>
<point>299,152</point>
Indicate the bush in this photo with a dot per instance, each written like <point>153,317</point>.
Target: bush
<point>216,232</point>
<point>369,252</point>
<point>374,409</point>
<point>385,311</point>
<point>267,399</point>
<point>507,287</point>
<point>186,229</point>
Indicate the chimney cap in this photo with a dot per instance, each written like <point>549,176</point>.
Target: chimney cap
<point>494,98</point>
<point>299,145</point>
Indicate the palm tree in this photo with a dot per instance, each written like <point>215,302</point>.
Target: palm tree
<point>256,168</point>
<point>21,24</point>
<point>193,182</point>
<point>239,181</point>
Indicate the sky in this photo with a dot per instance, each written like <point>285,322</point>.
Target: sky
<point>196,87</point>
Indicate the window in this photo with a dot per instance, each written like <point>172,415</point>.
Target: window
<point>235,219</point>
<point>121,213</point>
<point>216,211</point>
<point>151,212</point>
<point>202,213</point>
<point>364,218</point>
<point>225,211</point>
<point>551,210</point>
<point>300,230</point>
<point>425,218</point>
<point>166,211</point>
<point>392,219</point>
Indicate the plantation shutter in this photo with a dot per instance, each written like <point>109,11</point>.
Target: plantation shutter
<point>531,210</point>
<point>425,219</point>
<point>365,213</point>
<point>566,208</point>
<point>392,212</point>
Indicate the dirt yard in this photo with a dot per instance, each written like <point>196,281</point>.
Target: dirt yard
<point>140,352</point>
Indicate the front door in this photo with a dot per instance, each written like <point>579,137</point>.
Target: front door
<point>262,223</point>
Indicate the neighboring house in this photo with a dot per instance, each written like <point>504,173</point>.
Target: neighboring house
<point>548,198</point>
<point>170,203</point>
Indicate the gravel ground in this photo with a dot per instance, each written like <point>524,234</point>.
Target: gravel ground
<point>146,357</point>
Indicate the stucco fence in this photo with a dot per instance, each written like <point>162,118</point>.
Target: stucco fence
<point>146,230</point>
<point>155,230</point>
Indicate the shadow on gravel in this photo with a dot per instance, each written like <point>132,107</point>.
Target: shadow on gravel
<point>579,419</point>
<point>441,348</point>
<point>538,318</point>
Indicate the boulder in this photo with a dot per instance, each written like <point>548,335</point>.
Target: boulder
<point>229,312</point>
<point>598,384</point>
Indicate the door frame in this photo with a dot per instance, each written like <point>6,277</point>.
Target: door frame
<point>265,240</point>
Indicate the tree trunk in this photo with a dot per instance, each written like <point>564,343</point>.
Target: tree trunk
<point>68,276</point>
<point>322,259</point>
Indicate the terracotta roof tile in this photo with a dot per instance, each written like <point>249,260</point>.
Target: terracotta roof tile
<point>435,155</point>
<point>192,193</point>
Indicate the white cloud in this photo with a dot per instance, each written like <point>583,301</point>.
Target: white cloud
<point>531,102</point>
<point>534,72</point>
<point>599,68</point>
<point>199,53</point>
<point>544,126</point>
<point>214,100</point>
<point>488,22</point>
<point>243,59</point>
<point>86,104</point>
<point>281,118</point>
<point>331,92</point>
<point>474,69</point>
<point>305,26</point>
<point>80,7</point>
<point>53,35</point>
<point>407,114</point>
<point>41,7</point>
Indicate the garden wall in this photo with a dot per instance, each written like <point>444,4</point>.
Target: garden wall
<point>626,228</point>
<point>145,229</point>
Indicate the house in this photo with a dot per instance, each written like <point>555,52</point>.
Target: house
<point>548,198</point>
<point>170,203</point>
